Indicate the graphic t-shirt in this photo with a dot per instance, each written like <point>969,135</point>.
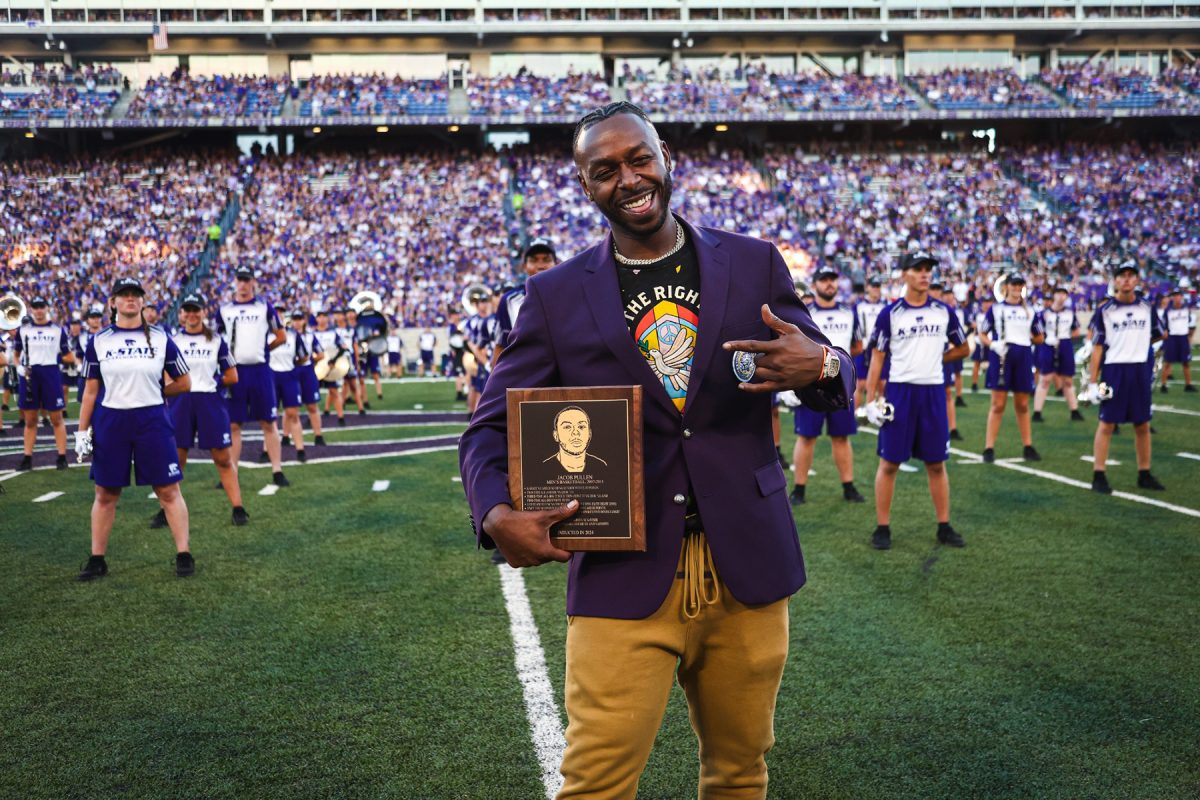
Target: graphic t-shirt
<point>662,309</point>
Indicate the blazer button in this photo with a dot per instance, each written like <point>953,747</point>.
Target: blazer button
<point>687,433</point>
<point>680,499</point>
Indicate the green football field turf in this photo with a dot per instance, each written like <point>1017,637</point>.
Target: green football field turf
<point>353,643</point>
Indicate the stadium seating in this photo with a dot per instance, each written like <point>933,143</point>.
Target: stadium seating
<point>182,96</point>
<point>365,95</point>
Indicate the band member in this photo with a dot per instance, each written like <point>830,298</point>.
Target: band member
<point>867,310</point>
<point>1009,331</point>
<point>539,256</point>
<point>370,328</point>
<point>457,340</point>
<point>252,329</point>
<point>839,323</point>
<point>479,330</point>
<point>1056,355</point>
<point>72,373</point>
<point>309,350</point>
<point>94,322</point>
<point>425,343</point>
<point>979,353</point>
<point>1177,348</point>
<point>39,349</point>
<point>1123,328</point>
<point>352,387</point>
<point>332,347</point>
<point>937,291</point>
<point>395,353</point>
<point>918,335</point>
<point>201,415</point>
<point>128,427</point>
<point>706,605</point>
<point>286,377</point>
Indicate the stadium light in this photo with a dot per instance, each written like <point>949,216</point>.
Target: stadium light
<point>382,129</point>
<point>722,128</point>
<point>29,134</point>
<point>453,129</point>
<point>317,129</point>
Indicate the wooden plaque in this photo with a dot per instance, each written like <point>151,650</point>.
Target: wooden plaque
<point>580,443</point>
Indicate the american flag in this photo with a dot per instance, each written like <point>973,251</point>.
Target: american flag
<point>160,37</point>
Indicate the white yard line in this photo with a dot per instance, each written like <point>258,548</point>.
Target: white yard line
<point>1112,462</point>
<point>1192,456</point>
<point>268,490</point>
<point>545,727</point>
<point>1155,407</point>
<point>47,497</point>
<point>317,460</point>
<point>380,486</point>
<point>1012,463</point>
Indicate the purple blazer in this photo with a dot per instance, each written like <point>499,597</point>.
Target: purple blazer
<point>572,332</point>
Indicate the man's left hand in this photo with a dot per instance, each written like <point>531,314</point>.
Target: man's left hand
<point>789,362</point>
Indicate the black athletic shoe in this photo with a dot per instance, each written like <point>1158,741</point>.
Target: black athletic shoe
<point>955,435</point>
<point>881,539</point>
<point>26,464</point>
<point>341,422</point>
<point>185,565</point>
<point>362,412</point>
<point>159,520</point>
<point>60,462</point>
<point>4,407</point>
<point>263,457</point>
<point>96,567</point>
<point>1030,454</point>
<point>1037,417</point>
<point>366,406</point>
<point>218,485</point>
<point>989,456</point>
<point>974,387</point>
<point>301,457</point>
<point>1100,483</point>
<point>1148,481</point>
<point>959,402</point>
<point>1116,430</point>
<point>319,441</point>
<point>279,480</point>
<point>285,441</point>
<point>852,495</point>
<point>949,537</point>
<point>498,557</point>
<point>782,461</point>
<point>1190,388</point>
<point>1058,392</point>
<point>1163,389</point>
<point>240,517</point>
<point>46,423</point>
<point>797,496</point>
<point>1076,416</point>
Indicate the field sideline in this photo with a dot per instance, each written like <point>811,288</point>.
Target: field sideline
<point>352,643</point>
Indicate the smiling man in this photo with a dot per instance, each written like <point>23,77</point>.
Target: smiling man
<point>709,324</point>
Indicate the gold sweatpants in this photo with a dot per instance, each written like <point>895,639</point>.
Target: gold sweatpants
<point>728,658</point>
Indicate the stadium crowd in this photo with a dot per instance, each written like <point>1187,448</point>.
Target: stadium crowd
<point>1091,85</point>
<point>363,95</point>
<point>526,93</point>
<point>181,95</point>
<point>979,90</point>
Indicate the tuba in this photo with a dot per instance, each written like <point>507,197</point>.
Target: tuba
<point>372,327</point>
<point>12,311</point>
<point>473,295</point>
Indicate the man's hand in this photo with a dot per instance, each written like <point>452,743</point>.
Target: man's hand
<point>524,536</point>
<point>789,362</point>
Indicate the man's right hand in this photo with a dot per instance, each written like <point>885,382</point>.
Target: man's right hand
<point>524,536</point>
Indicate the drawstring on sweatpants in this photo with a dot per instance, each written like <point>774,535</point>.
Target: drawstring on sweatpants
<point>697,563</point>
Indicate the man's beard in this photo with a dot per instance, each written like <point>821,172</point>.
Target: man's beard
<point>664,191</point>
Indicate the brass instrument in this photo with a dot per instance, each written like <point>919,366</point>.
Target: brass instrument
<point>12,312</point>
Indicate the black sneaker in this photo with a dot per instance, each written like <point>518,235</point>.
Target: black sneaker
<point>1100,483</point>
<point>1148,481</point>
<point>341,422</point>
<point>362,412</point>
<point>218,485</point>
<point>26,464</point>
<point>285,441</point>
<point>1076,416</point>
<point>1030,454</point>
<point>989,456</point>
<point>955,435</point>
<point>797,496</point>
<point>319,441</point>
<point>498,557</point>
<point>366,406</point>
<point>301,457</point>
<point>974,387</point>
<point>159,520</point>
<point>263,457</point>
<point>96,567</point>
<point>1190,388</point>
<point>881,539</point>
<point>1163,389</point>
<point>46,423</point>
<point>852,495</point>
<point>279,480</point>
<point>240,517</point>
<point>949,537</point>
<point>1037,417</point>
<point>60,462</point>
<point>959,402</point>
<point>185,565</point>
<point>5,407</point>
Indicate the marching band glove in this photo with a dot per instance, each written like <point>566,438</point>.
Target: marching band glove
<point>83,444</point>
<point>999,348</point>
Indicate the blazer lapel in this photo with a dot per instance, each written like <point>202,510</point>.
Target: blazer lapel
<point>714,292</point>
<point>603,297</point>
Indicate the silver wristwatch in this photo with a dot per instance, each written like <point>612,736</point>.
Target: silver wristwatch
<point>831,366</point>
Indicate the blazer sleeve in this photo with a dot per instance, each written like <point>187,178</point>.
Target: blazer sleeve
<point>828,395</point>
<point>528,362</point>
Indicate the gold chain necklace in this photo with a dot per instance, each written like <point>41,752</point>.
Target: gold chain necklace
<point>641,262</point>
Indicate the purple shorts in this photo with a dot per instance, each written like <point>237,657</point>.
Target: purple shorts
<point>200,419</point>
<point>372,364</point>
<point>287,388</point>
<point>310,387</point>
<point>394,359</point>
<point>253,396</point>
<point>43,389</point>
<point>951,369</point>
<point>1132,388</point>
<point>1177,349</point>
<point>808,423</point>
<point>1018,370</point>
<point>134,437</point>
<point>977,353</point>
<point>920,427</point>
<point>427,358</point>
<point>1058,359</point>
